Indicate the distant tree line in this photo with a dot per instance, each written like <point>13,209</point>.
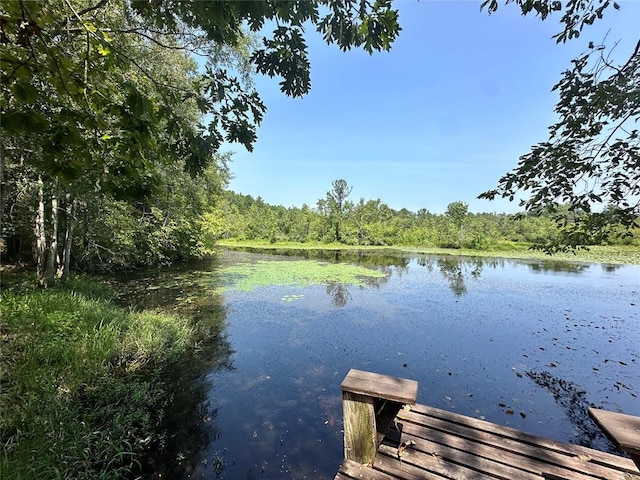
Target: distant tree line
<point>185,217</point>
<point>336,218</point>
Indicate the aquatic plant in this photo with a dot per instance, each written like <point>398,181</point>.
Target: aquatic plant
<point>248,276</point>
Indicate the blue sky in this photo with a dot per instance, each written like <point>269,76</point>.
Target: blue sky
<point>439,118</point>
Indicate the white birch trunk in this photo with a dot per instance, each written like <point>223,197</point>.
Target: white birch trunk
<point>40,237</point>
<point>53,246</point>
<point>63,270</point>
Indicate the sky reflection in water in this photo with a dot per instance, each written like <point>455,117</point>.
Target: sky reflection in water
<point>524,344</point>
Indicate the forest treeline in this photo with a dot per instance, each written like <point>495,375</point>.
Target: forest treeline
<point>110,157</point>
<point>373,223</point>
<point>185,217</point>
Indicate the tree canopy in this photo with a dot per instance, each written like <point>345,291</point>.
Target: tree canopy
<point>591,160</point>
<point>336,204</point>
<point>101,100</point>
<point>79,74</point>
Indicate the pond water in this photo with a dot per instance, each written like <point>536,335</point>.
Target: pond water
<point>525,344</point>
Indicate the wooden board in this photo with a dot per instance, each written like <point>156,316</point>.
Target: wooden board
<point>450,446</point>
<point>350,469</point>
<point>386,387</point>
<point>502,436</point>
<point>623,430</point>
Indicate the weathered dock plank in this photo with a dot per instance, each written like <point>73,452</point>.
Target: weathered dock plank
<point>455,447</point>
<point>447,445</point>
<point>492,449</point>
<point>623,430</point>
<point>370,402</point>
<point>350,470</point>
<point>508,432</point>
<point>375,385</point>
<point>455,457</point>
<point>509,446</point>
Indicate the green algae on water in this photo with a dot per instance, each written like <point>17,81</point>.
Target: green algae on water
<point>300,273</point>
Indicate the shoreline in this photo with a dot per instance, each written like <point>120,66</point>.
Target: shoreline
<point>608,255</point>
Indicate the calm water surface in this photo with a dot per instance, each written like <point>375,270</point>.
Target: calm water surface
<point>524,344</point>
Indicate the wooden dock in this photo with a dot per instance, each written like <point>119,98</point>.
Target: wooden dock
<point>423,442</point>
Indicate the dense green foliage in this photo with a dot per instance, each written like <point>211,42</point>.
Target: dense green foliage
<point>105,111</point>
<point>101,138</point>
<point>113,234</point>
<point>82,385</point>
<point>373,223</point>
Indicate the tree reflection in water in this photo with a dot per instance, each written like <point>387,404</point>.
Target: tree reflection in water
<point>339,292</point>
<point>558,266</point>
<point>191,418</point>
<point>610,268</point>
<point>367,258</point>
<point>458,271</point>
<point>455,270</point>
<point>190,421</point>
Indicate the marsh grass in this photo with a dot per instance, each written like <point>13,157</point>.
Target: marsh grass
<point>82,395</point>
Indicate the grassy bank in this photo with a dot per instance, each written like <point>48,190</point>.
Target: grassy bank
<point>629,255</point>
<point>82,395</point>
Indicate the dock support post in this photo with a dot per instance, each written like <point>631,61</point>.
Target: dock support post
<point>359,428</point>
<point>370,402</point>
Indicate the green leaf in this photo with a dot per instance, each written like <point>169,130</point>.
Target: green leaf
<point>24,121</point>
<point>103,50</point>
<point>25,92</point>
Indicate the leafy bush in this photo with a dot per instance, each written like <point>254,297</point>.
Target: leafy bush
<point>478,242</point>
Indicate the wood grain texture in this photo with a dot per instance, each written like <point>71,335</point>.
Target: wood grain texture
<point>360,443</point>
<point>455,447</point>
<point>386,387</point>
<point>623,430</point>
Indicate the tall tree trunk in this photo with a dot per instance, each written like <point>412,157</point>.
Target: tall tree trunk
<point>52,257</point>
<point>40,238</point>
<point>63,270</point>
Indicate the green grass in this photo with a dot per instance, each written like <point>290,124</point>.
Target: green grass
<point>80,394</point>
<point>629,255</point>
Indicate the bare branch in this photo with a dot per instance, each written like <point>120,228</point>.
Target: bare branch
<point>635,53</point>
<point>98,5</point>
<point>164,45</point>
